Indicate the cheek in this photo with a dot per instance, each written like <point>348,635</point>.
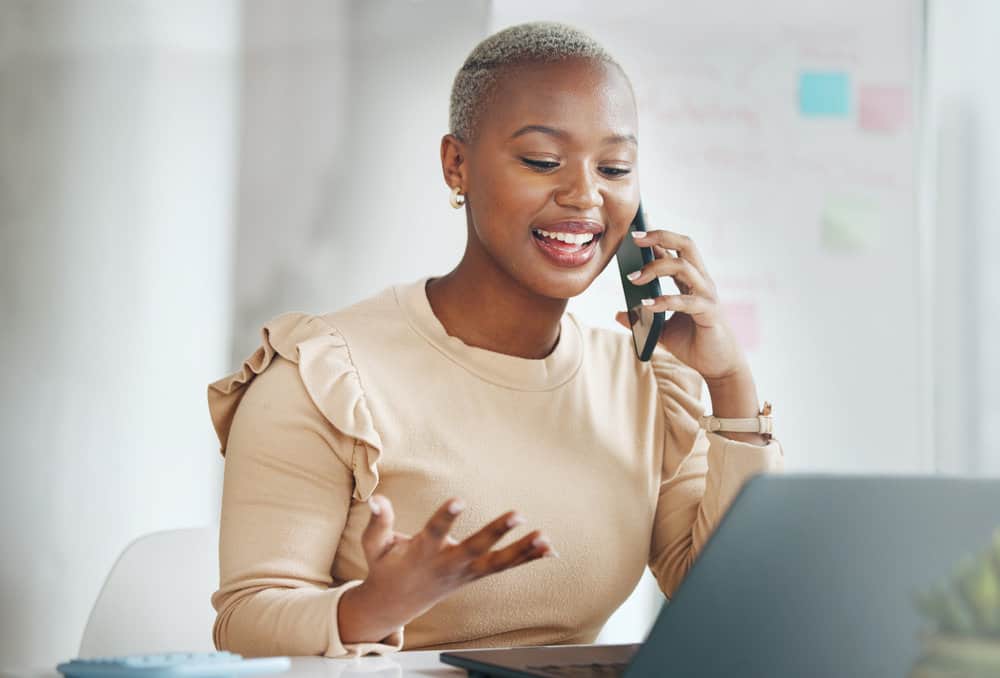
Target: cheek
<point>512,197</point>
<point>516,190</point>
<point>622,205</point>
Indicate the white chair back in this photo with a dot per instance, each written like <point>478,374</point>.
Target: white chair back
<point>156,598</point>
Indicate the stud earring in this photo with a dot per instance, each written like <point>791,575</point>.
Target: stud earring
<point>454,199</point>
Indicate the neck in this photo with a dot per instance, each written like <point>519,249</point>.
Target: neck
<point>484,307</point>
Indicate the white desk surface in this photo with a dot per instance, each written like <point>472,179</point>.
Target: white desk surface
<point>418,663</point>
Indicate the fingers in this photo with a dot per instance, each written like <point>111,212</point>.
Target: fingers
<point>530,547</point>
<point>685,303</point>
<point>682,244</point>
<point>472,557</point>
<point>435,532</point>
<point>688,278</point>
<point>377,537</point>
<point>482,541</point>
<point>664,253</point>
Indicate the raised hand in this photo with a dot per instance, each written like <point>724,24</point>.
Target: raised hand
<point>407,575</point>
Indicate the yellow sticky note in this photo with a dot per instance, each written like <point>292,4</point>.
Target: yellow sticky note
<point>851,225</point>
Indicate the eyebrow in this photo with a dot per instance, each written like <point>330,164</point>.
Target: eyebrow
<point>564,135</point>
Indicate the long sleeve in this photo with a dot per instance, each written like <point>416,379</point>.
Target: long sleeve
<point>289,480</point>
<point>701,475</point>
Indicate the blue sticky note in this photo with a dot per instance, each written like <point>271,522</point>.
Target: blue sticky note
<point>824,94</point>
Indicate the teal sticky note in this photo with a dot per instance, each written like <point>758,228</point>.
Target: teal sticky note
<point>824,94</point>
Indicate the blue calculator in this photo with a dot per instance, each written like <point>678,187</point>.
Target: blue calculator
<point>190,664</point>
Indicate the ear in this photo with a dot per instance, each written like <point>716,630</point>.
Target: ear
<point>453,161</point>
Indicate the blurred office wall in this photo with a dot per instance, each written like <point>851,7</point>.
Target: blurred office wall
<point>117,142</point>
<point>341,192</point>
<point>963,202</point>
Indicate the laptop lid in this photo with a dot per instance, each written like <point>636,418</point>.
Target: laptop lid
<point>822,575</point>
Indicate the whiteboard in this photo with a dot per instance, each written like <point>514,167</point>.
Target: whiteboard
<point>782,136</point>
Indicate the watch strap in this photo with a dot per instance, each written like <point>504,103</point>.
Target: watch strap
<point>763,423</point>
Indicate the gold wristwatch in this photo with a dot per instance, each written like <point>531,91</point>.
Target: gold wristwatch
<point>762,423</point>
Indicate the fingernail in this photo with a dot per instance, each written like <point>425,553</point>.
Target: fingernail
<point>539,542</point>
<point>375,508</point>
<point>648,302</point>
<point>456,506</point>
<point>633,275</point>
<point>638,234</point>
<point>515,519</point>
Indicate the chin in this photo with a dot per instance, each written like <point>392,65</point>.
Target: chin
<point>564,284</point>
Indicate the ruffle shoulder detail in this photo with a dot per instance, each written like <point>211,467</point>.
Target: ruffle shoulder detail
<point>330,378</point>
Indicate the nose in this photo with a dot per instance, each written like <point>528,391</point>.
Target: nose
<point>579,190</point>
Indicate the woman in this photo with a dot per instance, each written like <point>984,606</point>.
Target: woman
<point>380,458</point>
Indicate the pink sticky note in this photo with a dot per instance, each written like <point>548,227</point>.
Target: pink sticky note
<point>742,316</point>
<point>881,108</point>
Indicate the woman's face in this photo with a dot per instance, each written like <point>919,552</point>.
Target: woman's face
<point>556,151</point>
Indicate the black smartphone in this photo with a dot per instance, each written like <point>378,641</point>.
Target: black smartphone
<point>646,325</point>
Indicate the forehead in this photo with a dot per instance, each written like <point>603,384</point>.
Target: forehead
<point>584,97</point>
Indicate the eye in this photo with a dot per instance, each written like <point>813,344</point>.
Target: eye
<point>541,165</point>
<point>615,171</point>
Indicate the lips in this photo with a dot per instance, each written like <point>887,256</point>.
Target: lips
<point>572,226</point>
<point>566,254</point>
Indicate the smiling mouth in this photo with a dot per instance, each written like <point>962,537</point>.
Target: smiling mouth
<point>570,242</point>
<point>566,250</point>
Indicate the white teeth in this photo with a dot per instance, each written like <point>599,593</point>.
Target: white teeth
<point>570,238</point>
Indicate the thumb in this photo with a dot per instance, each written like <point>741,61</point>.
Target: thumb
<point>378,535</point>
<point>622,318</point>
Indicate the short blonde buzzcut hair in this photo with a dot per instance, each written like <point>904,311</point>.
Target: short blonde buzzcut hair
<point>533,42</point>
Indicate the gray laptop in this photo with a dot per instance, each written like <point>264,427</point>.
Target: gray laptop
<point>818,576</point>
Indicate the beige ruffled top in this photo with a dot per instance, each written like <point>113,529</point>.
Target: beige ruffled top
<point>600,451</point>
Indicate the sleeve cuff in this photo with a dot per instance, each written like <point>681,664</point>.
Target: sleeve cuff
<point>391,643</point>
<point>735,461</point>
